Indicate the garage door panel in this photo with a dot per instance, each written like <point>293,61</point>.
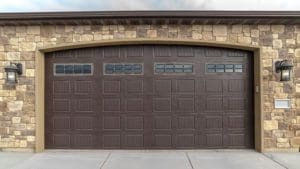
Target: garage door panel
<point>111,141</point>
<point>213,85</point>
<point>161,140</point>
<point>111,104</point>
<point>111,52</point>
<point>184,140</point>
<point>162,123</point>
<point>162,104</point>
<point>133,140</point>
<point>162,87</point>
<point>169,110</point>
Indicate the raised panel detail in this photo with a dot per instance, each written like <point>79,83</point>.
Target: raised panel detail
<point>61,123</point>
<point>83,123</point>
<point>236,85</point>
<point>61,105</point>
<point>213,85</point>
<point>186,122</point>
<point>84,105</point>
<point>135,104</point>
<point>111,86</point>
<point>111,104</point>
<point>161,104</point>
<point>185,140</point>
<point>111,52</point>
<point>214,104</point>
<point>162,123</point>
<point>111,141</point>
<point>185,105</point>
<point>160,51</point>
<point>134,140</point>
<point>162,87</point>
<point>134,86</point>
<point>185,86</point>
<point>213,122</point>
<point>185,52</point>
<point>61,87</point>
<point>214,140</point>
<point>83,140</point>
<point>134,123</point>
<point>163,140</point>
<point>61,140</point>
<point>111,123</point>
<point>83,87</point>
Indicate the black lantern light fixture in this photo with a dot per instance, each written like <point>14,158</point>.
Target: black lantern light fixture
<point>12,71</point>
<point>284,68</point>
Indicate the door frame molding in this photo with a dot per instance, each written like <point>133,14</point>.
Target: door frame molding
<point>40,77</point>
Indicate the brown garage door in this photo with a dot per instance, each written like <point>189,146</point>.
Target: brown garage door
<point>149,97</point>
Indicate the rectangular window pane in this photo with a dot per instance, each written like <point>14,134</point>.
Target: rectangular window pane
<point>69,69</point>
<point>78,69</point>
<point>220,68</point>
<point>238,68</point>
<point>59,69</point>
<point>87,69</point>
<point>73,69</point>
<point>228,68</point>
<point>123,68</point>
<point>173,68</point>
<point>169,68</point>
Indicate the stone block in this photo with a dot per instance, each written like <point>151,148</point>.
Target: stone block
<point>23,143</point>
<point>254,33</point>
<point>17,133</point>
<point>295,141</point>
<point>30,138</point>
<point>282,140</point>
<point>27,46</point>
<point>297,52</point>
<point>277,28</point>
<point>270,53</point>
<point>13,56</point>
<point>87,38</point>
<point>30,72</point>
<point>237,28</point>
<point>263,27</point>
<point>298,38</point>
<point>270,124</point>
<point>244,40</point>
<point>277,44</point>
<point>16,120</point>
<point>15,105</point>
<point>35,30</point>
<point>130,34</point>
<point>283,145</point>
<point>219,30</point>
<point>152,33</point>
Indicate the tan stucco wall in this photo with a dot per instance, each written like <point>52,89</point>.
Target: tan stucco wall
<point>18,111</point>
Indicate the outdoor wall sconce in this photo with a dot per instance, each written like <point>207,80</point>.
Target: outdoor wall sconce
<point>12,71</point>
<point>284,68</point>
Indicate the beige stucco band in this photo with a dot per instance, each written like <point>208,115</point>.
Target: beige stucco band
<point>40,78</point>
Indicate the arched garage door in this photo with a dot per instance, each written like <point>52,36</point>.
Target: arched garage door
<point>149,97</point>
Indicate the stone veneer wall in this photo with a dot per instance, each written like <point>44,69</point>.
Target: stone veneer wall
<point>18,44</point>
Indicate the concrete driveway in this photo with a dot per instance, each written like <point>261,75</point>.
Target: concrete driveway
<point>149,159</point>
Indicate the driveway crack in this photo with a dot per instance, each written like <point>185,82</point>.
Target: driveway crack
<point>188,157</point>
<point>271,158</point>
<point>106,159</point>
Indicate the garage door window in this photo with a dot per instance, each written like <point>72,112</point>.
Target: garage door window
<point>228,68</point>
<point>123,68</point>
<point>73,69</point>
<point>173,68</point>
